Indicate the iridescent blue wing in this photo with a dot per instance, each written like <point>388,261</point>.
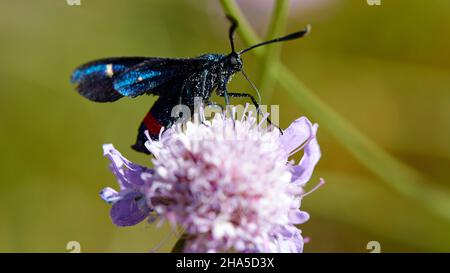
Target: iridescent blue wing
<point>95,79</point>
<point>156,75</point>
<point>107,80</point>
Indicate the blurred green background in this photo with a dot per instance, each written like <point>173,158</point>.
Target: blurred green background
<point>385,68</point>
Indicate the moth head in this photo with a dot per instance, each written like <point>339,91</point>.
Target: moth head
<point>234,61</point>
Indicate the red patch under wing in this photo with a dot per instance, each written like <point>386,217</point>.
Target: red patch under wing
<point>152,124</point>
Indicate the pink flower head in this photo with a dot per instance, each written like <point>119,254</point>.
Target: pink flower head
<point>229,184</point>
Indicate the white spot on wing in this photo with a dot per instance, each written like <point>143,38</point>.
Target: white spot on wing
<point>109,70</point>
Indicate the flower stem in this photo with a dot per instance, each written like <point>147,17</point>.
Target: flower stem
<point>395,173</point>
<point>179,245</point>
<point>246,32</point>
<point>270,60</point>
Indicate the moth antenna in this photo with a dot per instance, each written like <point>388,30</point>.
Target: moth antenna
<point>233,27</point>
<point>292,36</point>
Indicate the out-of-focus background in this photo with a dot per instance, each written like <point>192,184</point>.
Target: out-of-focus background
<point>384,68</point>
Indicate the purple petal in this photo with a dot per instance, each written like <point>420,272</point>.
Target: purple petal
<point>303,171</point>
<point>293,245</point>
<point>126,212</point>
<point>296,134</point>
<point>114,156</point>
<point>289,239</point>
<point>129,174</point>
<point>109,195</point>
<point>298,217</point>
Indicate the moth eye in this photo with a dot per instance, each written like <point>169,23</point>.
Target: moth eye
<point>233,60</point>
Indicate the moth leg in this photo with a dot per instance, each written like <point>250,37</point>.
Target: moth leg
<point>226,95</point>
<point>246,95</point>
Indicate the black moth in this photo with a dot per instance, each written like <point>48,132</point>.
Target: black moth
<point>175,80</point>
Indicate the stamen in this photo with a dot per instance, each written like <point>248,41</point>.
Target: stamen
<point>164,241</point>
<point>202,114</point>
<point>161,131</point>
<point>245,111</point>
<point>233,113</point>
<point>311,137</point>
<point>250,120</point>
<point>264,118</point>
<point>147,135</point>
<point>320,184</point>
<point>300,147</point>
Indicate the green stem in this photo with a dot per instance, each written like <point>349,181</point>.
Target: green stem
<point>246,32</point>
<point>266,83</point>
<point>391,170</point>
<point>179,245</point>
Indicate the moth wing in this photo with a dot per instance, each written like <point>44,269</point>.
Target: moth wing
<point>156,75</point>
<point>95,79</point>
